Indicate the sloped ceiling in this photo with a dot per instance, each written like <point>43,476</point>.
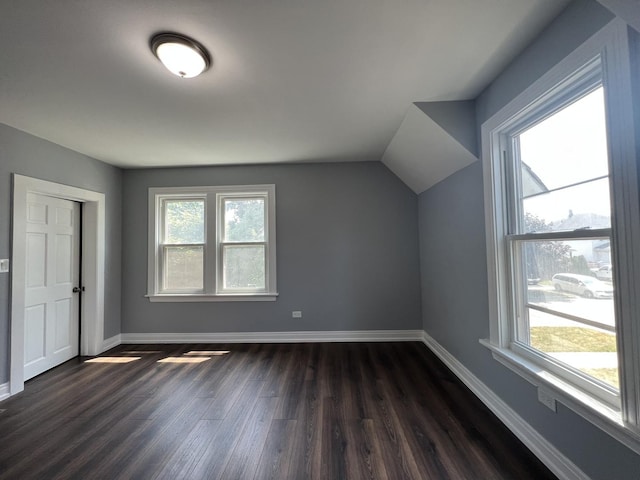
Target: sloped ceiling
<point>433,141</point>
<point>292,80</point>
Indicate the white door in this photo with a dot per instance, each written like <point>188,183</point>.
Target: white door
<point>51,317</point>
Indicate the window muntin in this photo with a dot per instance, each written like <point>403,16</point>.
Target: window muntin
<point>212,241</point>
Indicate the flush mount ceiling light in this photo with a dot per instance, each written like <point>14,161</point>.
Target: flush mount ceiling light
<point>181,55</point>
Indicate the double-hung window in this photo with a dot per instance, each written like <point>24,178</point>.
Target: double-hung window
<point>212,243</point>
<point>563,225</point>
<point>181,244</point>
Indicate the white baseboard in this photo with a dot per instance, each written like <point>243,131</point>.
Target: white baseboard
<point>560,465</point>
<point>276,337</point>
<point>4,391</point>
<point>109,343</point>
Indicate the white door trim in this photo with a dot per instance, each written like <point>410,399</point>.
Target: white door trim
<point>93,262</point>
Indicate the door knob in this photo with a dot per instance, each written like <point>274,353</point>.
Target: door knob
<point>77,289</point>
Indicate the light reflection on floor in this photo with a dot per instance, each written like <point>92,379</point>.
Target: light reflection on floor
<point>112,359</point>
<point>193,356</point>
<point>184,359</point>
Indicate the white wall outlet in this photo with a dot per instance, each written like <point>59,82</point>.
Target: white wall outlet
<point>296,314</point>
<point>4,265</point>
<point>545,398</point>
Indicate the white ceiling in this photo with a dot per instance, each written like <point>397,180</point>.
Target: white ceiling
<point>292,80</point>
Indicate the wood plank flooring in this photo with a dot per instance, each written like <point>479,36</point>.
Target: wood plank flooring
<point>262,411</point>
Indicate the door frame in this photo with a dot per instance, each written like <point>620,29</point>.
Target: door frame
<point>92,268</point>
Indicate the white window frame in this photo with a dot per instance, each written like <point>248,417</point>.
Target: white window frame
<point>163,246</point>
<point>213,197</point>
<point>221,244</point>
<point>620,417</point>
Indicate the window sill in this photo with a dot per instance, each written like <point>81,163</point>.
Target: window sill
<point>235,297</point>
<point>591,409</point>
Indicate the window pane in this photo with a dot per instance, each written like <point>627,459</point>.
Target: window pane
<point>244,220</point>
<point>578,324</point>
<point>584,347</point>
<point>184,221</point>
<point>183,268</point>
<point>563,160</point>
<point>581,207</point>
<point>244,267</point>
<point>562,270</point>
<point>566,148</point>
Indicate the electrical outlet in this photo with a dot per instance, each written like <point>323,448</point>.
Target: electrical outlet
<point>4,265</point>
<point>545,398</point>
<point>296,314</point>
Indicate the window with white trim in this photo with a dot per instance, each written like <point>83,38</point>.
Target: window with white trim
<point>212,243</point>
<point>561,197</point>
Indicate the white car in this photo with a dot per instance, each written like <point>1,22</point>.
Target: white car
<point>582,285</point>
<point>604,273</point>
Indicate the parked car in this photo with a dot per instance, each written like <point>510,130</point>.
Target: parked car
<point>582,285</point>
<point>604,273</point>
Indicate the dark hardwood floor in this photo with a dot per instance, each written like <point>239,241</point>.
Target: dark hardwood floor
<point>271,411</point>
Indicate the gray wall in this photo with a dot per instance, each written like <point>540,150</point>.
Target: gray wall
<point>347,252</point>
<point>454,265</point>
<point>31,156</point>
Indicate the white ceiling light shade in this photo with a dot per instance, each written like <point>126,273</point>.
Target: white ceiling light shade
<point>181,55</point>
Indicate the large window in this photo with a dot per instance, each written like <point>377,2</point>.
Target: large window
<point>559,234</point>
<point>562,215</point>
<point>212,243</point>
